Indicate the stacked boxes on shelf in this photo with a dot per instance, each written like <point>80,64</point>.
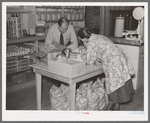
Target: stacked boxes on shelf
<point>20,63</point>
<point>20,49</point>
<point>14,26</point>
<point>19,57</point>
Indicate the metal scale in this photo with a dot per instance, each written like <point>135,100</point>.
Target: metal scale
<point>138,14</point>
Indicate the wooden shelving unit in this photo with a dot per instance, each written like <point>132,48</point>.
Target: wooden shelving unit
<point>31,14</point>
<point>17,75</point>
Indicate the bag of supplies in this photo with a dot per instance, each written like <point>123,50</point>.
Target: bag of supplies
<point>81,100</point>
<point>100,91</point>
<point>86,86</point>
<point>65,90</point>
<point>58,99</point>
<point>93,100</point>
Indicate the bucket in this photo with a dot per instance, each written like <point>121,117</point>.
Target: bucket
<point>119,26</point>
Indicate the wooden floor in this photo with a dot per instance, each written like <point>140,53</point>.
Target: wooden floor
<point>25,99</point>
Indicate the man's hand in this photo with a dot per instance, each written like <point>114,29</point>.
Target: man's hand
<point>65,51</point>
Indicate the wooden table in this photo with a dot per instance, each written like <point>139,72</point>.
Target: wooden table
<point>42,69</point>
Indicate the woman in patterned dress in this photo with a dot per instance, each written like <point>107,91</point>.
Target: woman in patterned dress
<point>116,65</point>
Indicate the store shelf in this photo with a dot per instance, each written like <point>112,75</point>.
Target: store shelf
<point>61,7</point>
<point>74,8</point>
<point>125,42</point>
<point>77,20</point>
<point>24,39</point>
<point>18,10</point>
<point>69,20</point>
<point>51,7</point>
<point>27,54</point>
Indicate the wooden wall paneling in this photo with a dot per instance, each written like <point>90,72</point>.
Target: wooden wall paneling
<point>141,68</point>
<point>102,20</point>
<point>111,21</point>
<point>86,16</point>
<point>127,8</point>
<point>122,7</point>
<point>111,7</point>
<point>107,23</point>
<point>117,8</point>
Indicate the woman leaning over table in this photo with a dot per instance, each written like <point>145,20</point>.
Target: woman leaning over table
<point>116,65</point>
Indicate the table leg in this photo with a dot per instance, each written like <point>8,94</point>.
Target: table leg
<point>38,91</point>
<point>72,88</point>
<point>36,44</point>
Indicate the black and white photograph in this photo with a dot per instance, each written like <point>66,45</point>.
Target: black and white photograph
<point>75,61</point>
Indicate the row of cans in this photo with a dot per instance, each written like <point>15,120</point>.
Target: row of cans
<point>51,14</point>
<point>21,49</point>
<point>57,15</point>
<point>14,27</point>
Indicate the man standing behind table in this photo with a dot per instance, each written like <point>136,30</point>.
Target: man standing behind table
<point>62,33</point>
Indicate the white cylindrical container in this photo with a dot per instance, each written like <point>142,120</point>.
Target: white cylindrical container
<point>119,26</point>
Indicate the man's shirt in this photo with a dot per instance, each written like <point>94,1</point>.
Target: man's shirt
<point>53,36</point>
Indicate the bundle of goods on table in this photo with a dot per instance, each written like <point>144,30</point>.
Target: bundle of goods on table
<point>89,96</point>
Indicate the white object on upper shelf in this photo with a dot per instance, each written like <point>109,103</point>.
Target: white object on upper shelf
<point>129,32</point>
<point>138,13</point>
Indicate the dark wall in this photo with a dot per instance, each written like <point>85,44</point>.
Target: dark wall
<point>92,16</point>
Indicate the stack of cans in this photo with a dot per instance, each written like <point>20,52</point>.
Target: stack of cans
<point>14,27</point>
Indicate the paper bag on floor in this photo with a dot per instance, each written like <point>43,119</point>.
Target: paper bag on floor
<point>86,86</point>
<point>56,91</point>
<point>103,98</point>
<point>81,100</point>
<point>93,100</point>
<point>57,98</point>
<point>101,92</point>
<point>65,89</point>
<point>97,83</point>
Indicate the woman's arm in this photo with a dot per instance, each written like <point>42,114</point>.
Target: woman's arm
<point>74,41</point>
<point>91,53</point>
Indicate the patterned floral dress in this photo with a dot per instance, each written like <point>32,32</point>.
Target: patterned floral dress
<point>116,64</point>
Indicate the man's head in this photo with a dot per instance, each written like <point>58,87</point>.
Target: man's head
<point>63,24</point>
